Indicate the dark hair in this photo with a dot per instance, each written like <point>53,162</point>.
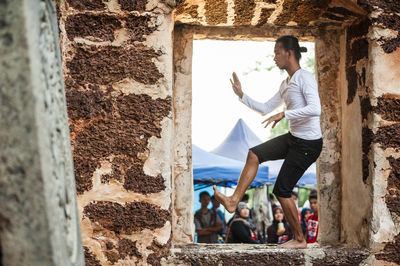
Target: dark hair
<point>313,195</point>
<point>290,42</point>
<point>245,197</point>
<point>271,197</point>
<point>204,193</point>
<point>295,194</point>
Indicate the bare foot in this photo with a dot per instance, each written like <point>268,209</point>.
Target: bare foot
<point>294,244</point>
<point>228,202</point>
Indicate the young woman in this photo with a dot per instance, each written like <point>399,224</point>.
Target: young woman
<point>242,229</point>
<point>279,231</point>
<point>300,147</point>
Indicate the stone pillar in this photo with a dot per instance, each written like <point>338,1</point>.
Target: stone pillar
<point>38,211</point>
<point>183,230</point>
<point>329,178</point>
<point>381,135</point>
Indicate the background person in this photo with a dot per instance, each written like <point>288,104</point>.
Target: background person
<point>207,222</point>
<point>242,229</point>
<point>312,223</point>
<point>279,231</point>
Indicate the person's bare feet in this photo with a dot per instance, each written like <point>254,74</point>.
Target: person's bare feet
<point>228,202</point>
<point>294,244</point>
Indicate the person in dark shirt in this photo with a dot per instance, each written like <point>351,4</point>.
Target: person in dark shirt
<point>207,222</point>
<point>279,232</point>
<point>242,229</point>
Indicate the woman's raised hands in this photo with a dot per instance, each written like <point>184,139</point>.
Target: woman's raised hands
<point>236,86</point>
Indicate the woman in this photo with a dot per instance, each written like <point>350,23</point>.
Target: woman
<point>242,229</point>
<point>279,232</point>
<point>305,214</point>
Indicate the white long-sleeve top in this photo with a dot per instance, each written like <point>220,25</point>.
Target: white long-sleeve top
<point>303,107</point>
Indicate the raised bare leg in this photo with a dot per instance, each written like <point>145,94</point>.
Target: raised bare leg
<point>290,211</point>
<point>246,178</point>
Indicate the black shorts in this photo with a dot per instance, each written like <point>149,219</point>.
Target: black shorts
<point>298,153</point>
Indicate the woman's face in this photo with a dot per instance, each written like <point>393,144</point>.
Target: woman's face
<point>244,212</point>
<point>307,214</point>
<point>278,215</point>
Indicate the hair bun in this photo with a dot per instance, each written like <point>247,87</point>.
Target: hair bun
<point>303,49</point>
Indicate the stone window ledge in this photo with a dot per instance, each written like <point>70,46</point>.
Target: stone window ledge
<point>246,254</point>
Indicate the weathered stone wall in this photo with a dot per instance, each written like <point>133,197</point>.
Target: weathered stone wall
<point>117,59</point>
<point>39,222</point>
<point>327,54</point>
<point>380,138</point>
<point>183,194</point>
<point>357,187</point>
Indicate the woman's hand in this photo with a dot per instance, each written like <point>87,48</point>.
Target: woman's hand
<point>275,118</point>
<point>236,86</point>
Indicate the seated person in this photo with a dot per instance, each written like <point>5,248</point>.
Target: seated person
<point>207,222</point>
<point>242,229</point>
<point>279,231</point>
<point>312,223</point>
<point>305,214</point>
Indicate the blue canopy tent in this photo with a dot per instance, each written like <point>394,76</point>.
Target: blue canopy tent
<point>209,169</point>
<point>237,144</point>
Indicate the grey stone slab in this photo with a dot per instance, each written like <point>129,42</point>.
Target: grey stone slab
<point>39,222</point>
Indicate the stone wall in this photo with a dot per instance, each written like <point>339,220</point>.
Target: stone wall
<point>117,60</point>
<point>327,54</point>
<point>381,142</point>
<point>39,222</point>
<point>355,70</point>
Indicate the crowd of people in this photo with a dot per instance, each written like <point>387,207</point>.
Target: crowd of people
<point>211,227</point>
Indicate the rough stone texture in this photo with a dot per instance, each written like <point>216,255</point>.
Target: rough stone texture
<point>182,217</point>
<point>126,219</point>
<point>389,21</point>
<point>101,27</point>
<point>112,64</point>
<point>244,11</point>
<point>265,14</point>
<point>133,5</point>
<point>138,27</point>
<point>301,12</point>
<point>327,49</point>
<point>356,49</point>
<point>87,4</point>
<point>90,258</point>
<point>127,247</point>
<point>240,254</point>
<point>39,222</point>
<point>356,142</point>
<point>392,199</point>
<point>139,119</point>
<point>391,251</point>
<point>216,12</point>
<point>389,107</point>
<point>388,137</point>
<point>326,13</point>
<point>160,252</point>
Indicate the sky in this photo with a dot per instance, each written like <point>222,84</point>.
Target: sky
<point>215,107</point>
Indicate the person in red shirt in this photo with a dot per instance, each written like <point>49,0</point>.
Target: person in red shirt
<point>312,223</point>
